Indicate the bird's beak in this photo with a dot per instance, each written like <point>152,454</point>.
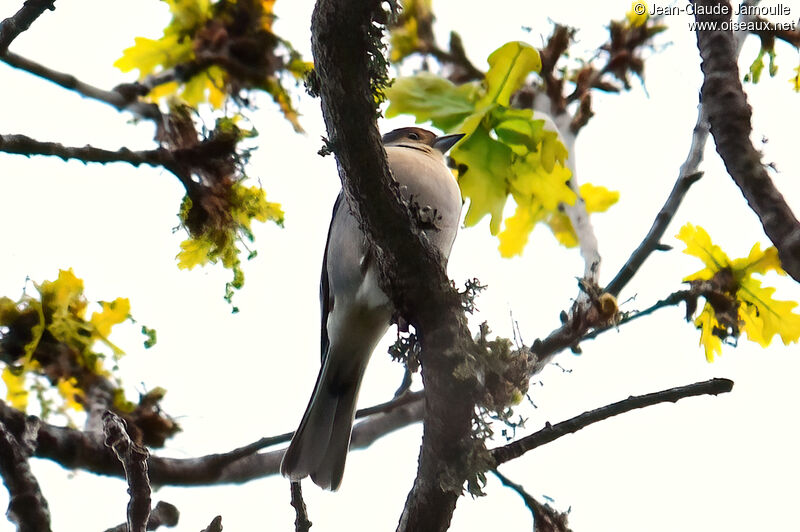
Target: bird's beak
<point>446,142</point>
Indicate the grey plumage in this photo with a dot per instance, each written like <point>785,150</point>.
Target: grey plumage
<point>355,311</point>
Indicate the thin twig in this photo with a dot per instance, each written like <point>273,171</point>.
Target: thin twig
<point>669,301</point>
<point>221,460</point>
<point>120,98</point>
<point>134,461</point>
<point>215,526</point>
<point>545,518</point>
<point>11,27</point>
<point>164,514</point>
<point>160,157</point>
<point>652,240</point>
<point>552,432</point>
<point>24,145</point>
<point>301,522</point>
<point>27,507</point>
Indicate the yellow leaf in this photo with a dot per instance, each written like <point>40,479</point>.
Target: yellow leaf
<point>549,188</point>
<point>194,90</point>
<point>147,54</point>
<point>699,244</point>
<point>757,262</point>
<point>562,229</point>
<point>16,394</point>
<point>518,228</point>
<point>216,86</point>
<point>193,252</point>
<point>764,317</point>
<point>282,98</point>
<point>71,393</point>
<point>267,14</point>
<point>187,15</point>
<point>637,16</point>
<point>251,202</point>
<point>113,313</point>
<point>707,322</point>
<point>65,293</point>
<point>795,80</point>
<point>598,199</point>
<point>163,90</point>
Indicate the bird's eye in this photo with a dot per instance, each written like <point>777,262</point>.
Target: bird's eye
<point>413,136</point>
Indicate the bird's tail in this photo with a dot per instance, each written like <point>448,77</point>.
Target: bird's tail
<point>320,444</point>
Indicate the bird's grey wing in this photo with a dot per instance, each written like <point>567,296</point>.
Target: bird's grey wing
<point>325,300</point>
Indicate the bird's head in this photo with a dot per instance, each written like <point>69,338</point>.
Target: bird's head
<point>420,139</point>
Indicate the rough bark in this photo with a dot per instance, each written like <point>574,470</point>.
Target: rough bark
<point>729,117</point>
<point>346,57</point>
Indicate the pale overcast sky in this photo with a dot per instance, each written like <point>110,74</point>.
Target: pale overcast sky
<point>725,463</point>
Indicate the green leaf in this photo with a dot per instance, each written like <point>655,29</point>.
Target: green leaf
<point>431,98</point>
<point>485,181</point>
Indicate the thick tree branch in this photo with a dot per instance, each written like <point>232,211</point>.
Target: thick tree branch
<point>11,27</point>
<point>348,59</point>
<point>553,432</point>
<point>545,518</point>
<point>769,31</point>
<point>124,98</point>
<point>729,117</point>
<point>27,507</point>
<point>134,461</point>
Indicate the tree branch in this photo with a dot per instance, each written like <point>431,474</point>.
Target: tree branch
<point>24,145</point>
<point>545,518</point>
<point>134,461</point>
<point>575,325</point>
<point>124,98</point>
<point>75,449</point>
<point>27,507</point>
<point>174,161</point>
<point>215,526</point>
<point>553,432</point>
<point>164,514</point>
<point>11,27</point>
<point>669,301</point>
<point>301,522</point>
<point>729,117</point>
<point>348,59</point>
<point>776,32</point>
<point>652,240</point>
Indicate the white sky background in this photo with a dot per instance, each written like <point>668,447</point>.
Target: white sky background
<point>724,463</point>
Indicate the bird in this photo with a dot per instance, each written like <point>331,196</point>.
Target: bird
<point>356,313</point>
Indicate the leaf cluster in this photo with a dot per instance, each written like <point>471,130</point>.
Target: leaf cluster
<point>735,301</point>
<point>211,51</point>
<point>507,151</point>
<point>47,340</point>
<point>219,207</point>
